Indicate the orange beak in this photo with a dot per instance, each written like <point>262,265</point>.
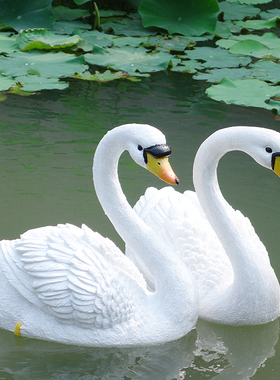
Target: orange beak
<point>162,169</point>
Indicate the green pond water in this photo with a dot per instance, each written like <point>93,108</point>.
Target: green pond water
<point>47,145</point>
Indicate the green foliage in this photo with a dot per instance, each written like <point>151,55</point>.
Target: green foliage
<point>217,57</point>
<point>130,60</point>
<point>33,83</point>
<point>6,82</point>
<point>42,39</point>
<point>267,45</point>
<point>45,64</point>
<point>26,14</point>
<point>247,92</point>
<point>8,44</point>
<point>180,16</point>
<point>236,11</point>
<point>65,13</point>
<point>40,46</point>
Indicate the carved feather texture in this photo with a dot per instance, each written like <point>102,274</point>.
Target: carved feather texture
<point>73,271</point>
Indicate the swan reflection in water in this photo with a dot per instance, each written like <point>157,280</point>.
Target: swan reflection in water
<point>225,352</point>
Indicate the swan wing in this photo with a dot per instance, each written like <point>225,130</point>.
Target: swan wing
<point>180,222</point>
<point>69,273</point>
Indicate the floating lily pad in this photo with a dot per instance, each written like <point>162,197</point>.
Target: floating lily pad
<point>216,57</point>
<point>130,60</point>
<point>69,27</point>
<point>267,44</point>
<point>27,14</point>
<point>270,14</point>
<point>268,39</point>
<point>250,47</point>
<point>128,26</point>
<point>257,24</point>
<point>65,13</point>
<point>44,40</point>
<point>189,66</point>
<point>129,41</point>
<point>36,83</point>
<point>101,77</point>
<point>8,44</point>
<point>174,44</point>
<point>93,37</point>
<point>252,1</point>
<point>247,92</point>
<point>46,64</point>
<point>237,11</point>
<point>267,70</point>
<point>193,18</point>
<point>111,13</point>
<point>6,83</point>
<point>226,43</point>
<point>79,2</point>
<point>216,75</point>
<point>226,28</point>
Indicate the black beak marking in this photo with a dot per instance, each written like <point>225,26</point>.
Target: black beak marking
<point>157,151</point>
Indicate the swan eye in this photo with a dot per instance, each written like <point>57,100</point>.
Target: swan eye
<point>268,149</point>
<point>140,147</point>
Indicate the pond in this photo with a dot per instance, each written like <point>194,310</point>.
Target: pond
<point>47,145</point>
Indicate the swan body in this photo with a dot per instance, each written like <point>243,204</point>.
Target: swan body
<point>231,266</point>
<point>71,285</point>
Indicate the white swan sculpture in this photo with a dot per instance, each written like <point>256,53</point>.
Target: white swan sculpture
<point>236,282</point>
<point>71,285</point>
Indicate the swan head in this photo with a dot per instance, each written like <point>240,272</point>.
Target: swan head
<point>264,147</point>
<point>147,147</point>
<point>262,144</point>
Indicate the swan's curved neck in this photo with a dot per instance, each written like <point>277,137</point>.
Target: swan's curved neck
<point>109,191</point>
<point>253,276</point>
<point>169,275</point>
<point>219,213</point>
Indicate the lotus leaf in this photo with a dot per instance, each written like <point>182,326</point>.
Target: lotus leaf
<point>65,13</point>
<point>252,1</point>
<point>129,26</point>
<point>190,18</point>
<point>247,92</point>
<point>257,24</point>
<point>68,27</point>
<point>8,44</point>
<point>111,13</point>
<point>46,64</point>
<point>270,14</point>
<point>226,28</point>
<point>130,60</point>
<point>190,66</point>
<point>216,75</point>
<point>250,47</point>
<point>226,44</point>
<point>35,83</point>
<point>129,41</point>
<point>93,37</point>
<point>237,11</point>
<point>79,2</point>
<point>101,77</point>
<point>6,83</point>
<point>216,57</point>
<point>44,40</point>
<point>267,70</point>
<point>174,44</point>
<point>27,14</point>
<point>268,39</point>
